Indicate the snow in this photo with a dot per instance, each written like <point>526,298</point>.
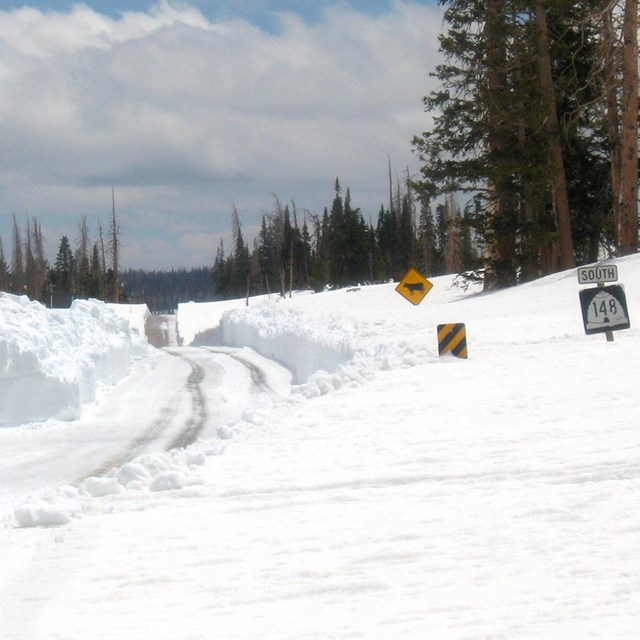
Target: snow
<point>136,316</point>
<point>348,482</point>
<point>53,362</point>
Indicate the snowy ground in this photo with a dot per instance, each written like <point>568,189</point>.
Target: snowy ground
<point>395,494</point>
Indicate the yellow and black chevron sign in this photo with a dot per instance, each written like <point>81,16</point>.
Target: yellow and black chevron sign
<point>452,338</point>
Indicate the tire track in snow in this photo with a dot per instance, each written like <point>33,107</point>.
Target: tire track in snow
<point>166,416</point>
<point>196,423</point>
<point>142,442</point>
<point>258,376</point>
<point>199,414</point>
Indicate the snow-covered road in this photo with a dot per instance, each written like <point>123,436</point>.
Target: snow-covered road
<point>179,395</point>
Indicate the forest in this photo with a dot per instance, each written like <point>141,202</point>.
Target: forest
<point>341,248</point>
<point>535,119</point>
<point>530,166</point>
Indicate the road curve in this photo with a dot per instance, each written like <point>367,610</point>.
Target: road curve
<point>169,400</point>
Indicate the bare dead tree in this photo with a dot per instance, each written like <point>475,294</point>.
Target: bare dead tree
<point>41,264</point>
<point>114,243</point>
<point>17,260</point>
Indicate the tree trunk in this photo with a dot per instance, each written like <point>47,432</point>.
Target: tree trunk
<point>500,250</point>
<point>628,205</point>
<point>552,128</point>
<point>613,122</point>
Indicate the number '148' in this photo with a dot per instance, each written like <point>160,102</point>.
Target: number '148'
<point>605,307</point>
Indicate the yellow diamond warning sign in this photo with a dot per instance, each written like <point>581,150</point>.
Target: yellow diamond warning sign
<point>414,286</point>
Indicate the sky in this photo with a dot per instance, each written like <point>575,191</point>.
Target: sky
<point>336,477</point>
<point>189,109</point>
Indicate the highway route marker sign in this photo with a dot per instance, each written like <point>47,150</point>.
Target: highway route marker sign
<point>414,287</point>
<point>604,309</point>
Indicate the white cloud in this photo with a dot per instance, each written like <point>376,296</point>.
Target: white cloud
<point>185,116</point>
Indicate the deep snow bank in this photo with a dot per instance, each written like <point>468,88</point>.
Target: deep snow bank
<point>282,333</point>
<point>324,339</point>
<point>273,328</point>
<point>135,314</point>
<point>199,322</point>
<point>52,361</point>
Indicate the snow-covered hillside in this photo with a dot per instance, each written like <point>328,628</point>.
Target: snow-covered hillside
<point>392,493</point>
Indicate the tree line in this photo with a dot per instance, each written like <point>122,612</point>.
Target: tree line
<point>535,122</point>
<point>90,270</point>
<point>163,290</point>
<point>291,251</point>
<point>341,248</point>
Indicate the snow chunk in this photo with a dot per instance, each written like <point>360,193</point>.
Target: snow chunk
<point>41,515</point>
<point>133,472</point>
<point>101,487</point>
<point>167,481</point>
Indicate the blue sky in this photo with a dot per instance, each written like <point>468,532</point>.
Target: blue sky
<point>260,12</point>
<point>191,109</point>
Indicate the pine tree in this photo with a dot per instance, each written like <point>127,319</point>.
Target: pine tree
<point>219,273</point>
<point>428,261</point>
<point>62,274</point>
<point>96,279</point>
<point>498,133</point>
<point>240,267</point>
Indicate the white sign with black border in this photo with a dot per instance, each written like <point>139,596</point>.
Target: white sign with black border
<point>604,309</point>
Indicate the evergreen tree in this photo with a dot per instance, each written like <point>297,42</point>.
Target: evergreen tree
<point>305,256</point>
<point>62,274</point>
<point>240,264</point>
<point>265,251</point>
<point>429,260</point>
<point>355,243</point>
<point>337,238</point>
<point>220,273</point>
<point>490,126</point>
<point>96,279</point>
<point>386,232</point>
